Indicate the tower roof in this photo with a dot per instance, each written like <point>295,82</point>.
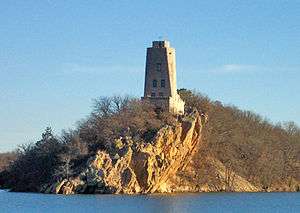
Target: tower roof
<point>161,44</point>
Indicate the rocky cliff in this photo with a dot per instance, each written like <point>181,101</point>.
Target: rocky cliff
<point>129,167</point>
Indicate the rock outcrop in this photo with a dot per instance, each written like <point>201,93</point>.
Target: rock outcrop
<point>129,167</point>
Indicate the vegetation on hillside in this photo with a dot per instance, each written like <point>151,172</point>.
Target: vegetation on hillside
<point>6,158</point>
<point>265,154</point>
<point>57,157</point>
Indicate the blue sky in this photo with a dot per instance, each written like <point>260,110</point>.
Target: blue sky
<point>56,56</point>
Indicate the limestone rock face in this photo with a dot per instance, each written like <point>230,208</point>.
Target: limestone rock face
<point>130,167</point>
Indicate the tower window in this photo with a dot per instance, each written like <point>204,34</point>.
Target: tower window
<point>154,83</point>
<point>153,94</point>
<point>158,67</point>
<point>163,83</point>
<point>161,94</point>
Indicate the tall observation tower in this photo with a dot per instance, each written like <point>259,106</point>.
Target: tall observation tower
<point>160,79</point>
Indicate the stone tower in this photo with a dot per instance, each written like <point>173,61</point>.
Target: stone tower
<point>160,79</point>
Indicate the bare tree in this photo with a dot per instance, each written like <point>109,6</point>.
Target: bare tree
<point>65,169</point>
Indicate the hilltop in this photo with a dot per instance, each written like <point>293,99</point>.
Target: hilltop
<point>226,149</point>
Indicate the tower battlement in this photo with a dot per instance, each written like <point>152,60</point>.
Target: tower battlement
<point>160,44</point>
<point>160,78</point>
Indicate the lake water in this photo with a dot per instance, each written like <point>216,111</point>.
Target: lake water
<point>199,202</point>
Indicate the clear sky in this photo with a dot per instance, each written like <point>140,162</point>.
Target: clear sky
<point>56,56</point>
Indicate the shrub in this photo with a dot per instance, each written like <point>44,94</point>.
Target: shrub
<point>253,147</point>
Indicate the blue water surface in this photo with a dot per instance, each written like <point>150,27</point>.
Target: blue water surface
<point>198,202</point>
